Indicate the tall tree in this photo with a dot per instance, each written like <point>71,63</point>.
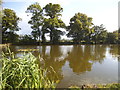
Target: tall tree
<point>80,27</point>
<point>100,34</point>
<point>9,25</point>
<point>36,19</point>
<point>53,21</point>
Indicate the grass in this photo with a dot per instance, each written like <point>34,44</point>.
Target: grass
<point>111,86</point>
<point>23,72</point>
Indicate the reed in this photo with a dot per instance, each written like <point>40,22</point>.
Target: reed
<point>23,72</point>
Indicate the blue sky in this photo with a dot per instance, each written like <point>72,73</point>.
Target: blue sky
<point>102,11</point>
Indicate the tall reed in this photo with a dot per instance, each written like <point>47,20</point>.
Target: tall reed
<point>23,72</point>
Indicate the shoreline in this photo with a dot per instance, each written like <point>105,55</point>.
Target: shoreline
<point>97,86</point>
<point>2,45</point>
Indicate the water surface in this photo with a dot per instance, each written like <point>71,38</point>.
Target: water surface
<point>78,64</point>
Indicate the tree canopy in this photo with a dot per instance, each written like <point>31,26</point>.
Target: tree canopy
<point>80,27</point>
<point>100,33</point>
<point>53,21</point>
<point>9,24</point>
<point>36,19</point>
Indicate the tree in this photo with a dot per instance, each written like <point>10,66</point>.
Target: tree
<point>26,39</point>
<point>80,27</point>
<point>36,20</point>
<point>9,25</point>
<point>35,35</point>
<point>111,38</point>
<point>100,34</point>
<point>53,21</point>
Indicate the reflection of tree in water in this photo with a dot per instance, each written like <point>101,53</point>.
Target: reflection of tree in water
<point>114,50</point>
<point>81,60</point>
<point>78,61</point>
<point>98,53</point>
<point>53,60</point>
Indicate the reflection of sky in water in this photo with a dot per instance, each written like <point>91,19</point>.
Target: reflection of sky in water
<point>65,50</point>
<point>47,50</point>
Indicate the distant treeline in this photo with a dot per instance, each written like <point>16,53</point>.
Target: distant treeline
<point>47,20</point>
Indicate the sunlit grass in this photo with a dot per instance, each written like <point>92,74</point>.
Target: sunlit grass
<point>23,72</point>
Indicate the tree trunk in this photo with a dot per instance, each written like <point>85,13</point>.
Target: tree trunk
<point>51,35</point>
<point>43,38</point>
<point>39,36</point>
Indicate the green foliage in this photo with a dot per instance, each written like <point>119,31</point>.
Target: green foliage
<point>111,38</point>
<point>11,37</point>
<point>52,21</point>
<point>26,39</point>
<point>10,20</point>
<point>36,19</point>
<point>23,72</point>
<point>9,24</point>
<point>53,10</point>
<point>35,34</point>
<point>80,27</point>
<point>99,35</point>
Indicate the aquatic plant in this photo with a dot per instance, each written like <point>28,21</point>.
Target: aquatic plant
<point>23,72</point>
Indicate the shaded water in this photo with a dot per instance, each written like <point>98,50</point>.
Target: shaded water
<point>78,64</point>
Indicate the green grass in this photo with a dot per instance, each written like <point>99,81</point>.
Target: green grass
<point>111,86</point>
<point>23,72</point>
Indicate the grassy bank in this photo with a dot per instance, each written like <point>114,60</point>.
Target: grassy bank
<point>98,86</point>
<point>23,72</point>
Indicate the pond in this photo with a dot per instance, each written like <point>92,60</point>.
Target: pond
<point>77,64</point>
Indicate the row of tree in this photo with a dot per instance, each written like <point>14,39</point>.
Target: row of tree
<point>48,20</point>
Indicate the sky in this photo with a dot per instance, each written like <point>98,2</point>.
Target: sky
<point>102,11</point>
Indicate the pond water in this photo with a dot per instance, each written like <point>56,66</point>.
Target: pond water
<point>78,64</point>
